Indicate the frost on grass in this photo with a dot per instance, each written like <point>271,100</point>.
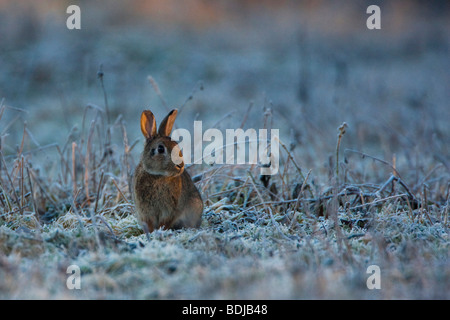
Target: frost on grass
<point>284,236</point>
<point>377,194</point>
<point>237,253</point>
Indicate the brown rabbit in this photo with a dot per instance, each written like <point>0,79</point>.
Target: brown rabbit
<point>164,193</point>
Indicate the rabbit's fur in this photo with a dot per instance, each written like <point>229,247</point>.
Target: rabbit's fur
<point>164,193</point>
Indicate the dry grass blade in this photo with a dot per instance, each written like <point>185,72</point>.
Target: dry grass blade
<point>74,170</point>
<point>13,189</point>
<point>42,189</point>
<point>32,192</point>
<point>244,120</point>
<point>301,190</point>
<point>342,128</point>
<point>158,92</point>
<point>2,107</point>
<point>267,209</point>
<point>87,161</point>
<point>299,171</point>
<point>98,192</point>
<point>198,86</point>
<point>120,191</point>
<point>100,75</point>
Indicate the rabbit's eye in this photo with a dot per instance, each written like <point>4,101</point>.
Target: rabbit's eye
<point>160,149</point>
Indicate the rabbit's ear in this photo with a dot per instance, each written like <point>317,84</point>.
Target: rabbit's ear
<point>148,124</point>
<point>167,124</point>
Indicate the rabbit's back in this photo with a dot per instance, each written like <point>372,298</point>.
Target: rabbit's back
<point>190,206</point>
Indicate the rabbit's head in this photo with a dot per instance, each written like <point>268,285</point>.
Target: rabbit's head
<point>161,156</point>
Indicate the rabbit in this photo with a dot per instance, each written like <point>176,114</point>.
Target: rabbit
<point>164,193</point>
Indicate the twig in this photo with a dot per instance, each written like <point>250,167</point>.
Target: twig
<point>378,201</point>
<point>364,155</point>
<point>403,184</point>
<point>391,179</point>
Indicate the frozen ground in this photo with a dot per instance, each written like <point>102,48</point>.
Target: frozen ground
<point>305,69</point>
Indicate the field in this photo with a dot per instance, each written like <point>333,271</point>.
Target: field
<point>364,173</point>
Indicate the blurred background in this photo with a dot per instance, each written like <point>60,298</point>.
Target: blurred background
<point>314,63</point>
